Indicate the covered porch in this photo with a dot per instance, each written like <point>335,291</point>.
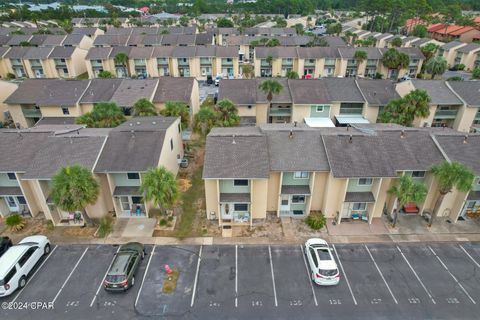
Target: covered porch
<point>129,202</point>
<point>13,201</point>
<point>63,218</point>
<point>294,201</point>
<point>235,209</point>
<point>357,206</point>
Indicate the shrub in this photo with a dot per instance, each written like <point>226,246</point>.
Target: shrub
<point>459,67</point>
<point>455,78</point>
<point>170,218</point>
<point>316,220</point>
<point>50,226</point>
<point>10,76</point>
<point>105,227</point>
<point>15,222</point>
<point>163,222</point>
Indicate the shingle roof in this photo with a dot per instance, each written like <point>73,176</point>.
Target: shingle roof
<point>58,152</point>
<point>62,52</point>
<point>275,52</point>
<point>343,89</point>
<point>84,31</point>
<point>377,92</point>
<point>362,157</point>
<point>152,39</point>
<point>111,40</point>
<point>162,52</point>
<point>95,53</point>
<point>205,51</point>
<point>469,47</point>
<point>243,155</point>
<point>239,91</point>
<point>226,52</point>
<point>452,44</point>
<point>48,92</point>
<point>283,97</point>
<point>296,151</point>
<point>73,39</point>
<point>349,52</point>
<point>183,52</point>
<point>174,89</point>
<point>16,52</point>
<point>438,91</point>
<point>317,52</point>
<point>235,197</point>
<point>129,91</point>
<point>140,53</point>
<point>15,40</point>
<point>38,53</point>
<point>53,40</point>
<point>457,150</point>
<point>309,92</point>
<point>100,90</point>
<point>127,151</point>
<point>26,145</point>
<point>359,197</point>
<point>469,91</point>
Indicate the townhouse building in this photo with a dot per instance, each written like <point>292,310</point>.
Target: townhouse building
<point>468,55</point>
<point>453,105</point>
<point>61,101</point>
<point>118,159</point>
<point>331,61</point>
<point>6,89</point>
<point>44,62</point>
<point>221,35</point>
<point>449,51</point>
<point>177,61</point>
<point>290,171</point>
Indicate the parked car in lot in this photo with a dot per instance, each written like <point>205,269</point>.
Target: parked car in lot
<point>17,264</point>
<point>121,275</point>
<point>324,270</point>
<point>5,243</point>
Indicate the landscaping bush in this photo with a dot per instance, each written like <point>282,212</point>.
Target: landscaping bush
<point>15,222</point>
<point>163,222</point>
<point>105,227</point>
<point>10,76</point>
<point>170,218</point>
<point>455,78</point>
<point>316,220</point>
<point>458,67</point>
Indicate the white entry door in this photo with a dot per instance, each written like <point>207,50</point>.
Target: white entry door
<point>12,204</point>
<point>285,203</point>
<point>227,210</point>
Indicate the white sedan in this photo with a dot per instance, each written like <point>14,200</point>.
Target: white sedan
<point>324,270</point>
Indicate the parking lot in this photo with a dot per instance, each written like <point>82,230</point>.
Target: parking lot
<point>414,281</point>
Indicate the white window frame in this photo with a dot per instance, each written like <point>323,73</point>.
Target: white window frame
<point>300,175</point>
<point>240,210</point>
<point>359,209</point>
<point>248,182</point>
<point>419,171</point>
<point>321,107</point>
<point>365,184</point>
<point>298,202</point>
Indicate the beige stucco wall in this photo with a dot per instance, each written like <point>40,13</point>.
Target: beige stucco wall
<point>258,194</point>
<point>17,115</point>
<point>56,111</point>
<point>40,198</point>
<point>195,98</point>
<point>272,194</point>
<point>334,111</point>
<point>104,202</point>
<point>469,59</point>
<point>76,65</point>
<point>370,113</point>
<point>261,112</point>
<point>244,111</point>
<point>28,193</point>
<point>6,89</point>
<point>318,191</point>
<point>168,157</point>
<point>418,122</point>
<point>300,112</point>
<point>334,195</point>
<point>464,119</point>
<point>212,197</point>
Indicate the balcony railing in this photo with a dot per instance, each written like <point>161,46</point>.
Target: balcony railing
<point>280,112</point>
<point>309,63</point>
<point>32,113</point>
<point>205,61</point>
<point>182,62</point>
<point>264,63</point>
<point>358,110</point>
<point>96,64</point>
<point>226,62</point>
<point>446,114</point>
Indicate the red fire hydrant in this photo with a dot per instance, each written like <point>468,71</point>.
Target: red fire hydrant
<point>168,269</point>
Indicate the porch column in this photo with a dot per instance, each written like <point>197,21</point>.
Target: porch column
<point>279,201</point>
<point>251,202</point>
<point>379,186</point>
<point>219,205</point>
<point>20,184</point>
<point>312,186</point>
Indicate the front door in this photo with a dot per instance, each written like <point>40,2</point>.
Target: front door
<point>285,204</point>
<point>39,73</point>
<point>227,210</point>
<point>125,203</point>
<point>12,204</point>
<point>471,206</point>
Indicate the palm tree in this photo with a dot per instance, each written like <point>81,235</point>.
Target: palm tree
<point>247,71</point>
<point>227,113</point>
<point>103,115</point>
<point>269,60</point>
<point>450,175</point>
<point>436,65</point>
<point>144,108</point>
<point>73,188</point>
<point>360,55</point>
<point>396,42</point>
<point>177,109</point>
<point>393,59</point>
<point>121,59</point>
<point>270,88</point>
<point>205,120</point>
<point>160,187</point>
<point>292,74</point>
<point>404,110</point>
<point>407,191</point>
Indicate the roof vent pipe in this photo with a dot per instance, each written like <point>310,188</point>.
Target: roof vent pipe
<point>350,139</point>
<point>294,123</point>
<point>465,139</point>
<point>290,135</point>
<point>402,134</point>
<point>233,140</point>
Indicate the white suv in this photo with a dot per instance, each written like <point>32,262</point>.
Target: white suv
<point>17,264</point>
<point>322,264</point>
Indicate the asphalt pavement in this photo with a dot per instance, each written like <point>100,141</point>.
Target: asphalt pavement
<point>378,281</point>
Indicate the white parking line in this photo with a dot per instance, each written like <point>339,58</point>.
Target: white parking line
<point>416,275</point>
<point>145,275</point>
<point>236,276</point>
<point>344,274</point>
<point>196,276</point>
<point>33,275</point>
<point>103,279</point>
<point>453,277</point>
<point>71,272</point>
<point>273,276</point>
<point>308,275</point>
<point>381,274</point>
<point>471,258</point>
